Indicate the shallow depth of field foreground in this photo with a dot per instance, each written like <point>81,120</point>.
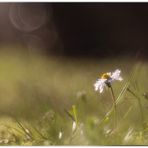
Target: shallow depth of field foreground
<point>52,101</point>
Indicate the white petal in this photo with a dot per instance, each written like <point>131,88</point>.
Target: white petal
<point>120,78</point>
<point>116,75</point>
<point>101,88</point>
<point>99,85</point>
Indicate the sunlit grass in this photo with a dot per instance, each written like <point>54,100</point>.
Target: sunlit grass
<point>42,96</point>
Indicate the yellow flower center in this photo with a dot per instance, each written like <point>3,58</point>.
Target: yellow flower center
<point>106,76</point>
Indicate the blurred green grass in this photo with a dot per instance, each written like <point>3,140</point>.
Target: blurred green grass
<point>36,91</point>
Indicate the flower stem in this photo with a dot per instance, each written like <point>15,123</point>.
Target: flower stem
<point>140,106</point>
<point>115,107</point>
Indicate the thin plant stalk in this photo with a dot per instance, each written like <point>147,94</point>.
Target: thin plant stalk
<point>118,100</point>
<point>140,106</point>
<point>115,107</point>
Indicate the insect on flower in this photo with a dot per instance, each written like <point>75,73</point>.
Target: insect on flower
<point>106,80</point>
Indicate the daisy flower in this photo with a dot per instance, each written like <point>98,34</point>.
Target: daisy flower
<point>106,79</point>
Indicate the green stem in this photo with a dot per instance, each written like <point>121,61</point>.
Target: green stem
<point>115,107</point>
<point>140,106</point>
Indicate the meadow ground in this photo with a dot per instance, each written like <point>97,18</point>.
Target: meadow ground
<point>51,101</point>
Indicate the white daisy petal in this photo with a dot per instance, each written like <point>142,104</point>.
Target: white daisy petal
<point>120,78</point>
<point>101,88</point>
<point>116,75</point>
<point>99,85</point>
